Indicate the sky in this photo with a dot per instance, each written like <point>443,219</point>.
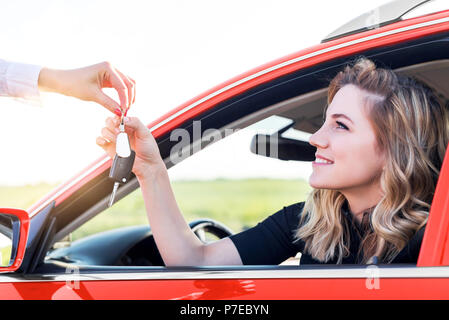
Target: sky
<point>174,50</point>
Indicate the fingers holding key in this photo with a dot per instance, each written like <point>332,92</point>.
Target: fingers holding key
<point>131,89</point>
<point>108,136</point>
<point>113,124</point>
<point>110,133</point>
<point>141,141</point>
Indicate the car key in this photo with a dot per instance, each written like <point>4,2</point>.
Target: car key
<point>123,161</point>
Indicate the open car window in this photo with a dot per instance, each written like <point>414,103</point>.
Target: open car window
<point>230,181</point>
<point>226,182</point>
<point>226,163</point>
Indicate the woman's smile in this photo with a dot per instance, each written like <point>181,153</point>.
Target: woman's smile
<point>320,160</point>
<point>319,163</point>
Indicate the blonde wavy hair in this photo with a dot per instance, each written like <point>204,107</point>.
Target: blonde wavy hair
<point>411,125</point>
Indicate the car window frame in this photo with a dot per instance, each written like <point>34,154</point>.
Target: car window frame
<point>434,247</point>
<point>441,197</point>
<point>332,61</point>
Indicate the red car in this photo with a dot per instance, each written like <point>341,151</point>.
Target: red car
<point>290,92</point>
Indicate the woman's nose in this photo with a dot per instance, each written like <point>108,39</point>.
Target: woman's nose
<point>318,139</point>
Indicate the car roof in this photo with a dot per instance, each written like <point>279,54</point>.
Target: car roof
<point>386,14</point>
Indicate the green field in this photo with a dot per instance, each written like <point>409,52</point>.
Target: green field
<point>236,203</point>
<point>22,197</point>
<point>5,255</point>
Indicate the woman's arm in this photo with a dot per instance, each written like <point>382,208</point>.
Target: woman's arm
<point>23,80</point>
<point>176,242</point>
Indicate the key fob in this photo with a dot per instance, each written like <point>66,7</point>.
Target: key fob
<point>121,168</point>
<point>122,147</point>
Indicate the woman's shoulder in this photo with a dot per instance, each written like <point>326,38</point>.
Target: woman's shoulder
<point>295,208</point>
<point>417,238</point>
<point>288,216</point>
<point>410,253</point>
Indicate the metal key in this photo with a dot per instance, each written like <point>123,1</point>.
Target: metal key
<point>123,162</point>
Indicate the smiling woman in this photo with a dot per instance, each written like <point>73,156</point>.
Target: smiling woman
<point>385,165</point>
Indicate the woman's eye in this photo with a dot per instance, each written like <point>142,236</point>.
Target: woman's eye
<point>341,125</point>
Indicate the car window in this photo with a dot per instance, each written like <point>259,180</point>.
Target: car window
<point>225,181</point>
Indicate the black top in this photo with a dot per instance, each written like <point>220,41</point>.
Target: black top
<point>272,241</point>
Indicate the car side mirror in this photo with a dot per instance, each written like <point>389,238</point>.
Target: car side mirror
<point>282,148</point>
<point>14,227</point>
<point>275,146</point>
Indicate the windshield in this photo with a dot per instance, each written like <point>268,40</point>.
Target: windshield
<point>388,13</point>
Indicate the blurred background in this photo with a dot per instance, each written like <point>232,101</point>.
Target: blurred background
<point>174,50</point>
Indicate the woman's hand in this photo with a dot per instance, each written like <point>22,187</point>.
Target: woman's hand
<point>142,142</point>
<point>86,84</point>
<point>176,242</point>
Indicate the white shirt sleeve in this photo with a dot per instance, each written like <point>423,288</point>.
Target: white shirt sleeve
<point>19,80</point>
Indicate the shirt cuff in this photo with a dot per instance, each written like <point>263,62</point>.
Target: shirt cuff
<point>22,80</point>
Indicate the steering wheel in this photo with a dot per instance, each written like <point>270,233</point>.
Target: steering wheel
<point>146,253</point>
<point>202,226</point>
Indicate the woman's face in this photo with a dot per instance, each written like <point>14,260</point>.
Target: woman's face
<point>348,140</point>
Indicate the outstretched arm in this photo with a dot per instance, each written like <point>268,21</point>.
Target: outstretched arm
<point>21,80</point>
<point>86,84</point>
<point>176,242</point>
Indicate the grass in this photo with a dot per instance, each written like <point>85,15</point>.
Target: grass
<point>236,203</point>
<point>22,197</point>
<point>5,256</point>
